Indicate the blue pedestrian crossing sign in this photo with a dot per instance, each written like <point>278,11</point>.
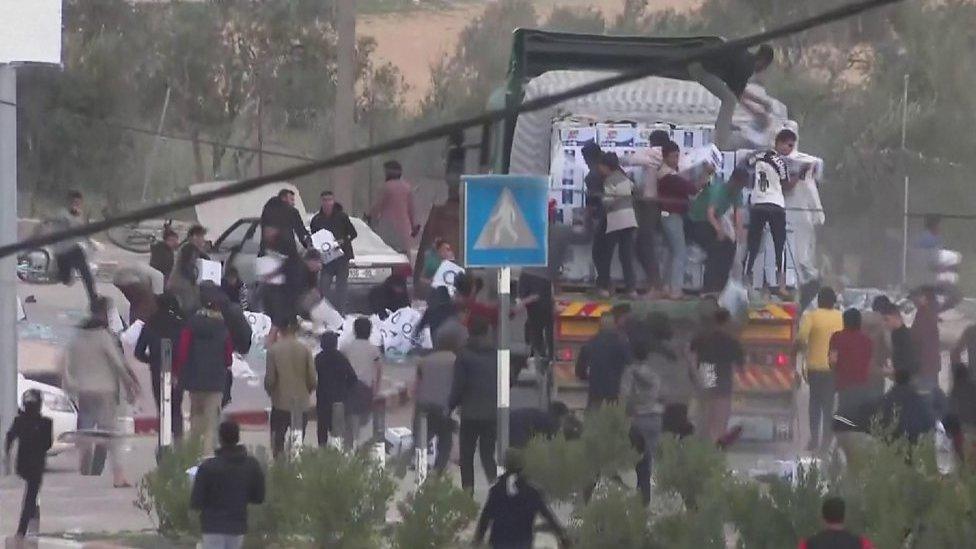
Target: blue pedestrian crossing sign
<point>506,221</point>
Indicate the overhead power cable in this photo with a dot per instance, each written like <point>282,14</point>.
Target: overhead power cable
<point>444,130</point>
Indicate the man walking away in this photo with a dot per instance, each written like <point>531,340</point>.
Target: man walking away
<point>535,294</point>
<point>336,381</point>
<point>70,253</point>
<point>165,323</point>
<point>601,362</point>
<point>435,375</point>
<point>222,489</point>
<point>289,379</point>
<point>203,357</point>
<point>281,224</point>
<point>162,254</point>
<point>674,193</point>
<point>33,434</point>
<point>333,218</point>
<point>768,207</point>
<point>715,352</point>
<point>850,362</point>
<point>726,77</point>
<point>835,535</point>
<point>393,212</point>
<point>873,325</point>
<point>640,391</point>
<point>511,509</point>
<point>474,389</point>
<point>366,360</point>
<point>816,329</point>
<point>903,355</point>
<point>925,338</point>
<point>710,232</point>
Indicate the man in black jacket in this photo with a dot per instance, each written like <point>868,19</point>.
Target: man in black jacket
<point>32,431</point>
<point>279,221</point>
<point>334,219</point>
<point>162,255</point>
<point>601,361</point>
<point>474,390</point>
<point>224,485</point>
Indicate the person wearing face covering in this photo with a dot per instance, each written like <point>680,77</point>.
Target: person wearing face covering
<point>32,432</point>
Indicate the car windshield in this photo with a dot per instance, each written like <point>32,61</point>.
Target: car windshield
<point>237,234</point>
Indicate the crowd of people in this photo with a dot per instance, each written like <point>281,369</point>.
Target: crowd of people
<point>685,207</point>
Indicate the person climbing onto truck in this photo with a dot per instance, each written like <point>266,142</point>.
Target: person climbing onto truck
<point>768,207</point>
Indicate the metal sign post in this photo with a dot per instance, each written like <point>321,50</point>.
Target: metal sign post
<point>8,235</point>
<point>420,448</point>
<point>505,225</point>
<point>166,418</point>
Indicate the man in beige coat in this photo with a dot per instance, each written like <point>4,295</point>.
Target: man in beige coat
<point>290,379</point>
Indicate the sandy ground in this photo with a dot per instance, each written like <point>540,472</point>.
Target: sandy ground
<point>413,41</point>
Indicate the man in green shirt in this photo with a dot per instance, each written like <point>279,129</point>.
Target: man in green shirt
<point>709,231</point>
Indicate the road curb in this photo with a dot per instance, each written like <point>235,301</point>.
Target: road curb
<point>391,398</point>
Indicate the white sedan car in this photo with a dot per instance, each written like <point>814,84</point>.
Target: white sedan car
<point>56,405</point>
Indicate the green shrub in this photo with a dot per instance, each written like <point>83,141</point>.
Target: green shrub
<point>607,449</point>
<point>343,497</point>
<point>614,517</point>
<point>434,516</point>
<point>688,467</point>
<point>164,493</point>
<point>558,467</point>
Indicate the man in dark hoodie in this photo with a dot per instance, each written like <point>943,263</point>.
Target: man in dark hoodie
<point>222,489</point>
<point>203,357</point>
<point>32,431</point>
<point>511,509</point>
<point>165,323</point>
<point>474,390</point>
<point>601,361</point>
<point>334,219</point>
<point>336,382</point>
<point>281,223</point>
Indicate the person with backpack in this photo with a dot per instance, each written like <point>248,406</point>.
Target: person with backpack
<point>835,535</point>
<point>33,434</point>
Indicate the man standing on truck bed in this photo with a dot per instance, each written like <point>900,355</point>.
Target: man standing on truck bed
<point>768,206</point>
<point>646,207</point>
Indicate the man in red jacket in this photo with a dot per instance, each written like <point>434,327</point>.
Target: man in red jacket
<point>850,360</point>
<point>835,535</point>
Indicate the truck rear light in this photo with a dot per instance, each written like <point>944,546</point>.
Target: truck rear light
<point>565,355</point>
<point>782,359</point>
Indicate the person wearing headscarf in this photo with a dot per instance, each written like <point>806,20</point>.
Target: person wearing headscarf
<point>393,212</point>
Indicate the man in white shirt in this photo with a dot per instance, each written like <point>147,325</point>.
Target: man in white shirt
<point>646,207</point>
<point>768,204</point>
<point>365,359</point>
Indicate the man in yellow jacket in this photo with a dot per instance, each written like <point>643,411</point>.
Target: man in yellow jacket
<point>816,328</point>
<point>290,379</point>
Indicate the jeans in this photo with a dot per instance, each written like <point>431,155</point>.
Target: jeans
<point>99,411</point>
<point>480,433</point>
<point>821,407</point>
<point>759,216</point>
<point>222,541</point>
<point>623,241</point>
<point>538,334</point>
<point>204,418</point>
<point>75,260</point>
<point>337,271</point>
<point>648,220</point>
<point>645,430</point>
<point>721,254</point>
<point>674,231</point>
<point>439,424</point>
<point>280,421</point>
<point>29,509</point>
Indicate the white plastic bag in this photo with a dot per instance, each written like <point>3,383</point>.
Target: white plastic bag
<point>208,270</point>
<point>446,275</point>
<point>326,244</point>
<point>324,313</point>
<point>734,298</point>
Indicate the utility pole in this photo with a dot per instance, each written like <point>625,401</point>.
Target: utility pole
<point>343,124</point>
<point>904,219</point>
<point>8,235</point>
